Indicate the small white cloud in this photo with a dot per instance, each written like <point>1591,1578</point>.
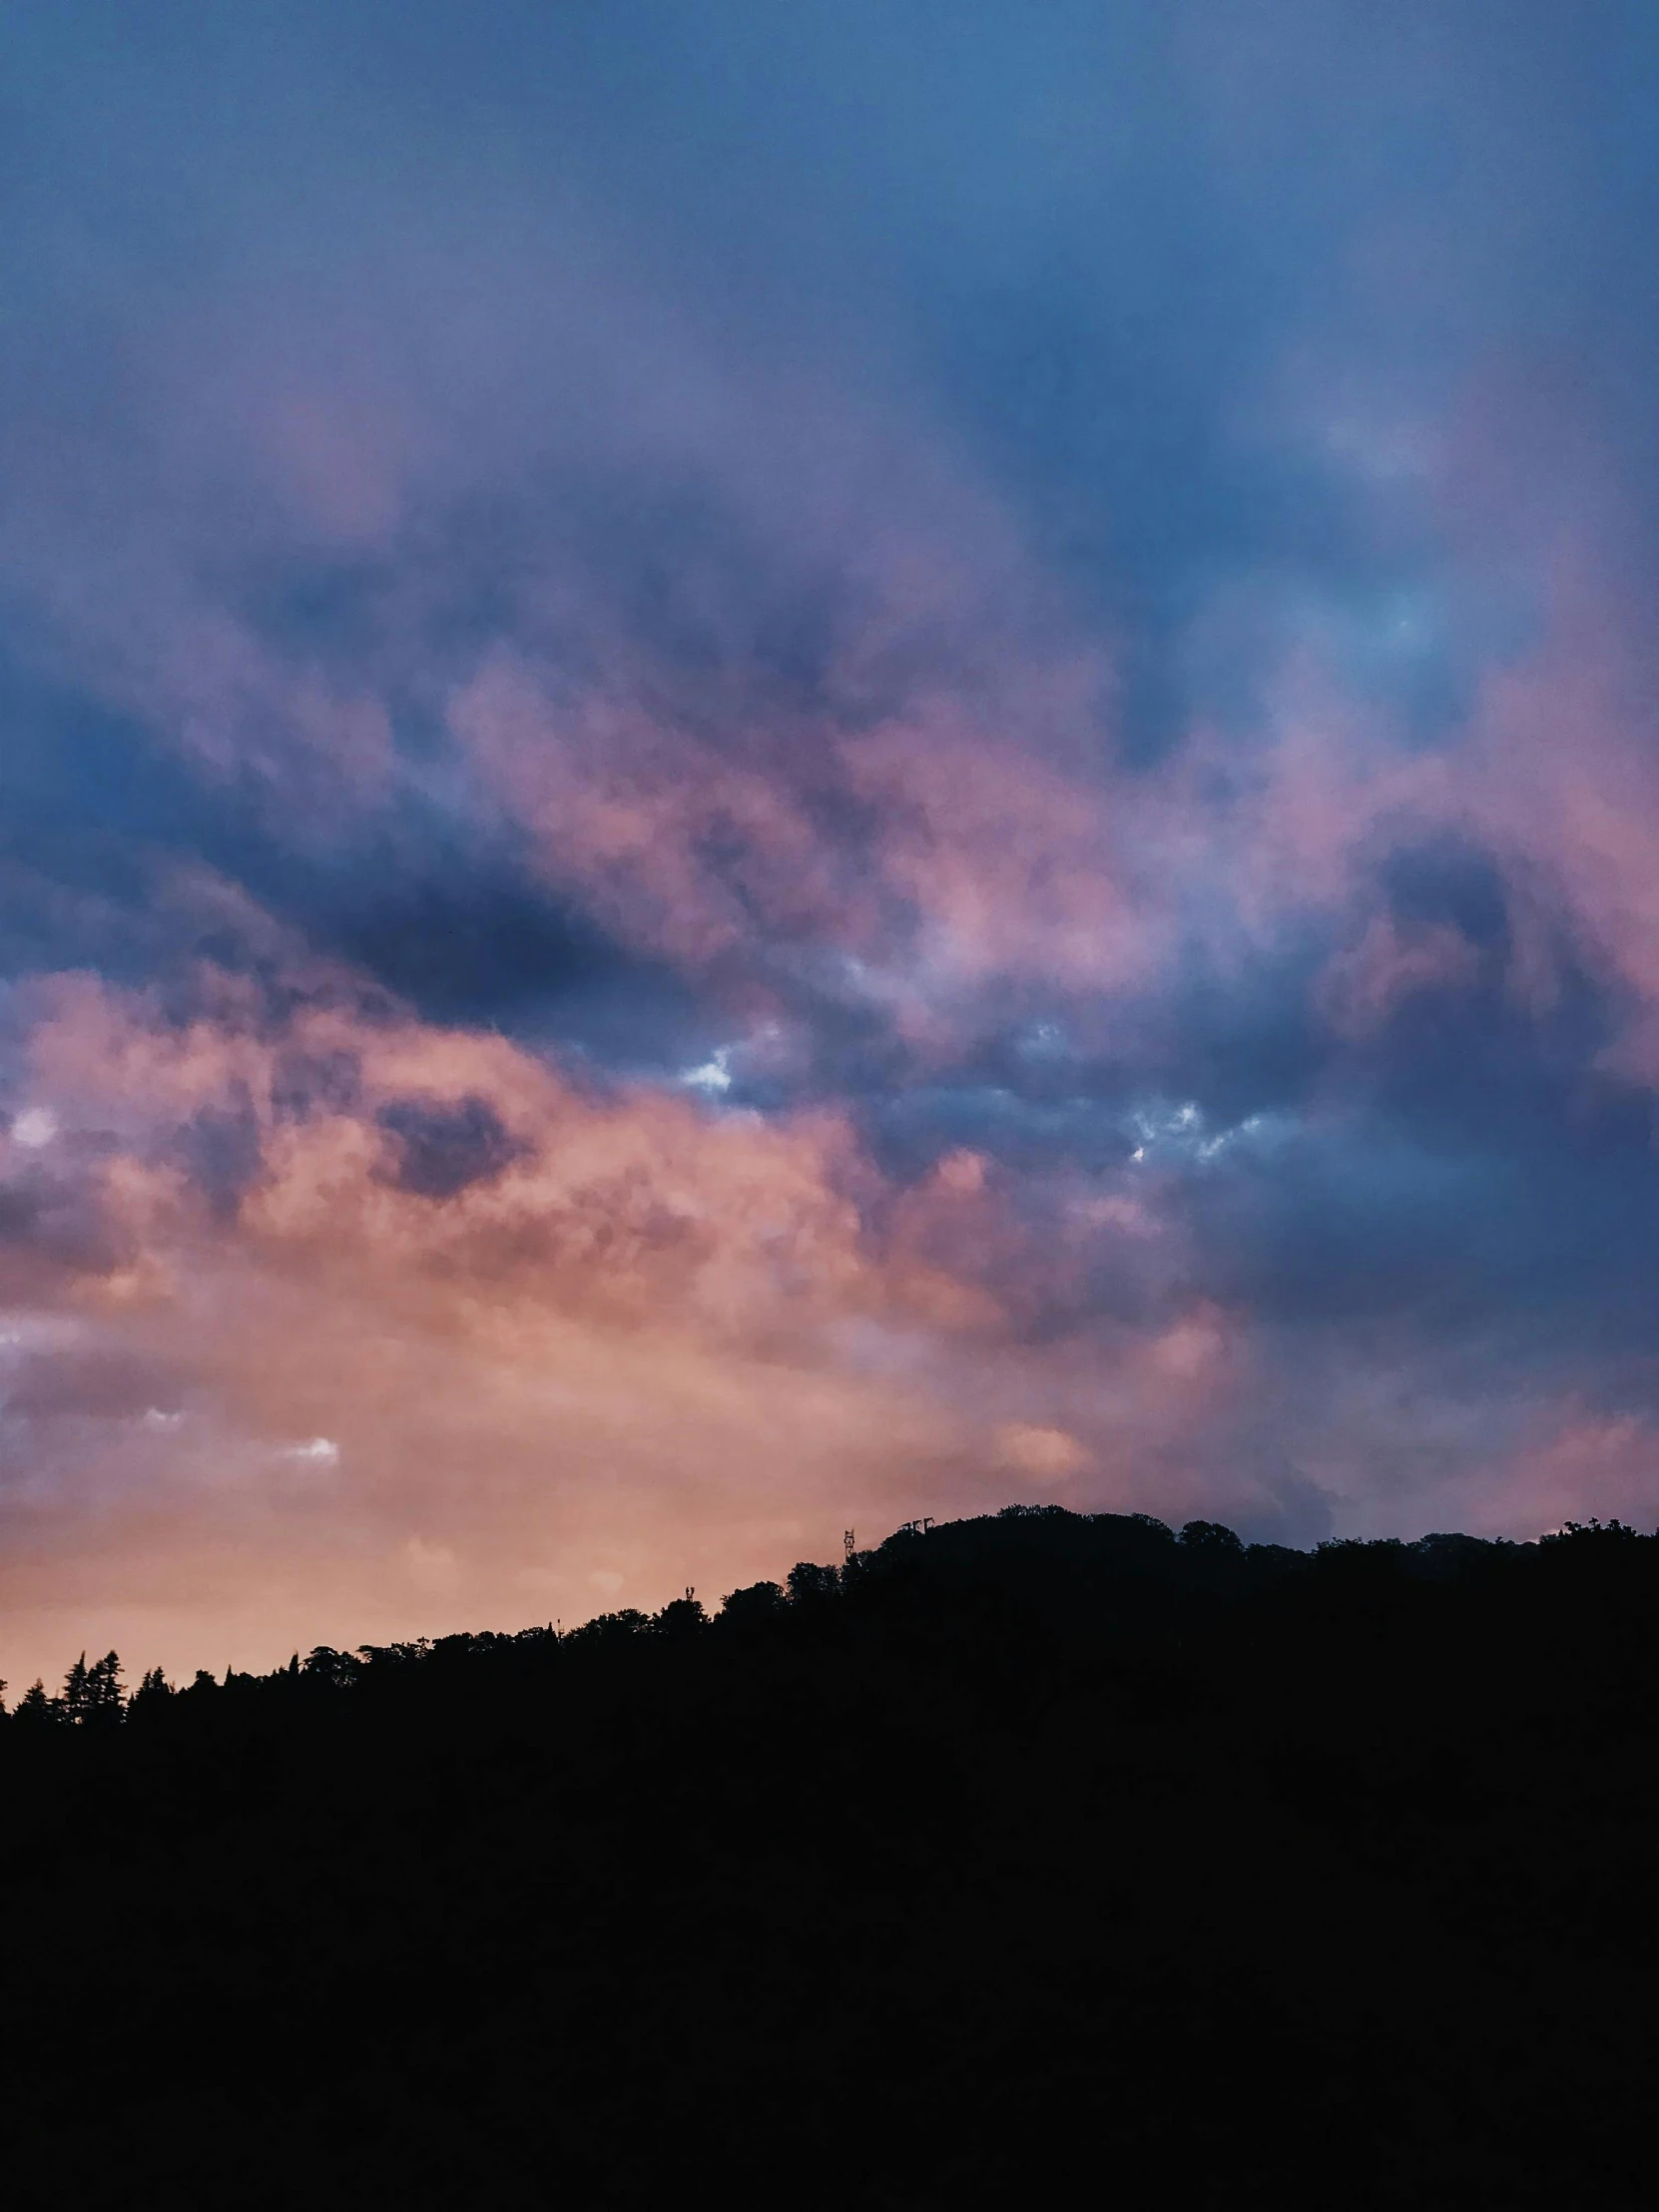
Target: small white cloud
<point>321,1450</point>
<point>1181,1131</point>
<point>34,1127</point>
<point>606,1579</point>
<point>1045,1040</point>
<point>1161,1124</point>
<point>161,1424</point>
<point>714,1077</point>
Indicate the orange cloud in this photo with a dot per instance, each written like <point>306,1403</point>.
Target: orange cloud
<point>310,1388</point>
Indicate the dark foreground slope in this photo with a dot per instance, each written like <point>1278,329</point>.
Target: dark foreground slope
<point>1036,1860</point>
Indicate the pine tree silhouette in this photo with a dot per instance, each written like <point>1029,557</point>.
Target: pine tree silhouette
<point>35,1709</point>
<point>103,1690</point>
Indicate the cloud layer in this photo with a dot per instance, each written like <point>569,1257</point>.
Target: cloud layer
<point>761,781</point>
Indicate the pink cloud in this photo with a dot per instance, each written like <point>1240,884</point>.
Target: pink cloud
<point>1559,780</point>
<point>1366,983</point>
<point>649,1341</point>
<point>1574,1464</point>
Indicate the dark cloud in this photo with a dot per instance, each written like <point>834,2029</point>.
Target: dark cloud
<point>218,1149</point>
<point>89,1385</point>
<point>444,1147</point>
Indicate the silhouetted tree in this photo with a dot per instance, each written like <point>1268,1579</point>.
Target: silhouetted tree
<point>758,1601</point>
<point>35,1709</point>
<point>103,1693</point>
<point>1613,1531</point>
<point>620,1627</point>
<point>813,1585</point>
<point>1213,1538</point>
<point>153,1689</point>
<point>682,1616</point>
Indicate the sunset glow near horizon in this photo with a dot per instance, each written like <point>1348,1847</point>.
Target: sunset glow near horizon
<point>771,767</point>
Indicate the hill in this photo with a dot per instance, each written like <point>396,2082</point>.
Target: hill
<point>1031,1854</point>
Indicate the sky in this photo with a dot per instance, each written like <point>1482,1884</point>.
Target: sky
<point>766,769</point>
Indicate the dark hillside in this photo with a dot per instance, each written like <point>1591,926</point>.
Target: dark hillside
<point>1028,1858</point>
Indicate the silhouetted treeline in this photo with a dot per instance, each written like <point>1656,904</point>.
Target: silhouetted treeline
<point>1032,1857</point>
